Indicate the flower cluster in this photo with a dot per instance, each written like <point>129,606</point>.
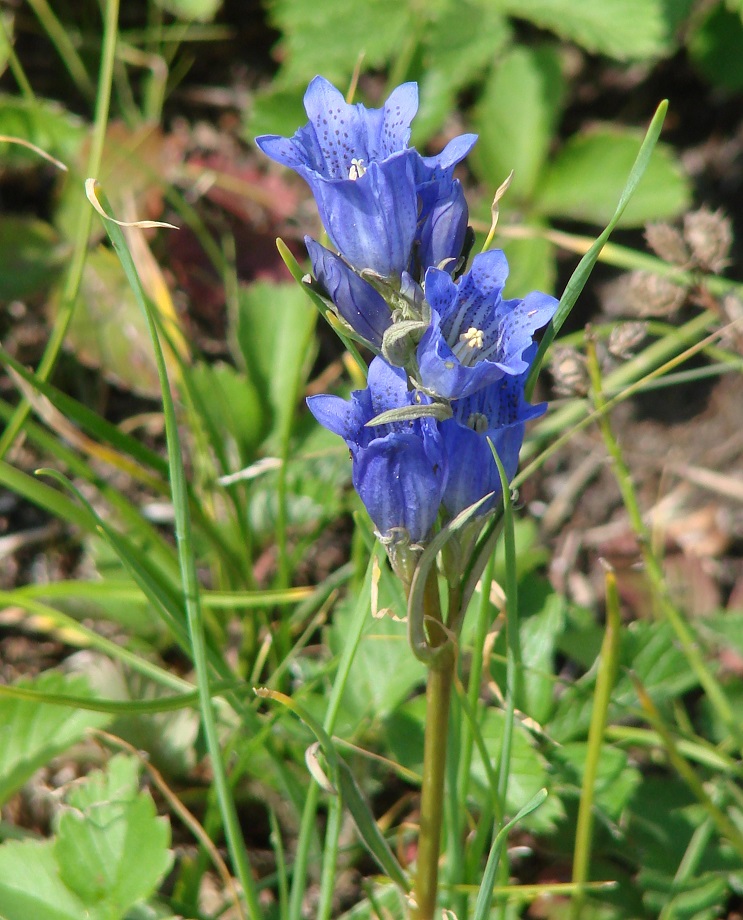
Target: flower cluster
<point>452,355</point>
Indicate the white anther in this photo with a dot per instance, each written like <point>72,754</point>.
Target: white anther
<point>357,169</point>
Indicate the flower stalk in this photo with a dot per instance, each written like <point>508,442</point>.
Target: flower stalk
<point>438,700</point>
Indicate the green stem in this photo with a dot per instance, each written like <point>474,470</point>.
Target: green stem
<point>64,45</point>
<point>438,696</point>
<point>438,700</point>
<point>75,274</point>
<point>602,697</point>
<point>467,740</point>
<point>653,567</point>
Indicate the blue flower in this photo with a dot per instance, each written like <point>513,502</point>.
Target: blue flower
<point>399,469</point>
<point>475,336</point>
<point>355,300</point>
<point>379,200</point>
<point>443,213</point>
<point>496,412</point>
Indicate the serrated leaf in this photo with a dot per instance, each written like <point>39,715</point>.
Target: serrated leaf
<point>586,178</point>
<point>383,672</point>
<point>622,29</point>
<point>516,118</point>
<point>616,779</point>
<point>538,636</point>
<point>527,775</point>
<point>32,733</point>
<point>30,886</point>
<point>320,38</point>
<point>111,847</point>
<point>660,666</point>
<point>458,47</point>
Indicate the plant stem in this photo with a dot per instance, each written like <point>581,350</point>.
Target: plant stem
<point>601,699</point>
<point>438,698</point>
<point>683,632</point>
<point>71,288</point>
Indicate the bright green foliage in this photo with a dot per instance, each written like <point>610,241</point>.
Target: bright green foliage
<point>584,181</point>
<point>111,847</point>
<point>47,125</point>
<point>274,330</point>
<point>622,29</point>
<point>480,66</point>
<point>318,37</point>
<point>33,733</point>
<point>516,119</point>
<point>457,50</point>
<point>110,851</point>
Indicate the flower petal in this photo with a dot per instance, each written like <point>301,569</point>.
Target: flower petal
<point>372,220</point>
<point>356,301</point>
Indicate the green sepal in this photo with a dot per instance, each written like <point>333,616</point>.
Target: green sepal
<point>400,341</point>
<point>438,410</point>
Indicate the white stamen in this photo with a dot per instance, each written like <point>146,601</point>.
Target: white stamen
<point>469,342</point>
<point>357,169</point>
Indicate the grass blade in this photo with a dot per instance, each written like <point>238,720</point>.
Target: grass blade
<point>579,277</point>
<point>190,585</point>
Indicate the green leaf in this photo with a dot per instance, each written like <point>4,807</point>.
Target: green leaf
<point>531,262</point>
<point>234,408</point>
<point>33,733</point>
<point>30,256</point>
<point>528,773</point>
<point>274,326</point>
<point>30,886</point>
<point>111,846</point>
<point>383,650</point>
<point>200,10</point>
<point>516,118</point>
<point>538,635</point>
<point>587,177</point>
<point>276,110</point>
<point>458,47</point>
<point>108,330</point>
<point>319,37</point>
<point>45,124</point>
<point>716,48</point>
<point>622,29</point>
<point>616,779</point>
<point>6,36</point>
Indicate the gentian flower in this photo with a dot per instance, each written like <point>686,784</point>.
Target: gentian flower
<point>378,199</point>
<point>443,213</point>
<point>399,469</point>
<point>475,336</point>
<point>355,300</point>
<point>496,412</point>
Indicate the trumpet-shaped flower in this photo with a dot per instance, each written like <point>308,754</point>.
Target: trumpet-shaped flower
<point>376,196</point>
<point>355,300</point>
<point>399,469</point>
<point>476,337</point>
<point>496,413</point>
